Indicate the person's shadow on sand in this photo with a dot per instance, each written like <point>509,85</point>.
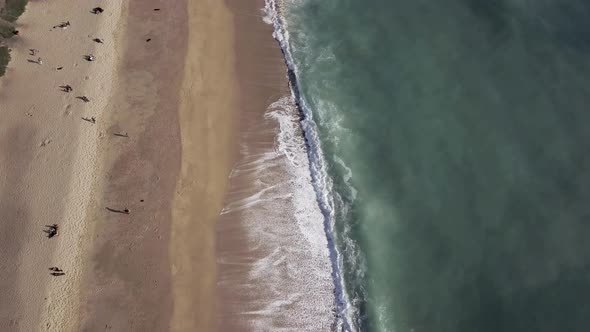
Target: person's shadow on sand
<point>124,211</point>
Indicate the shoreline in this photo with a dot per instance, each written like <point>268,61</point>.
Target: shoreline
<point>322,184</point>
<point>182,95</point>
<point>261,79</point>
<point>272,252</point>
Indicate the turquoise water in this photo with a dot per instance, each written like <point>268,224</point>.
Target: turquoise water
<point>456,136</point>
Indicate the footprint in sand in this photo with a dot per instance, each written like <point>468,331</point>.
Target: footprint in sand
<point>67,111</point>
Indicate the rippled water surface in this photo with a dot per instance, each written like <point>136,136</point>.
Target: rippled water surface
<point>456,136</point>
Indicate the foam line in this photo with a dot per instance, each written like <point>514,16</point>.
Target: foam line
<point>321,182</point>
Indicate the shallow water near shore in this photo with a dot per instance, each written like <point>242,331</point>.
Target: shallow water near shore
<point>273,267</point>
<point>454,140</point>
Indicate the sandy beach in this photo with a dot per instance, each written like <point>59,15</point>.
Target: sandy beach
<point>47,158</point>
<point>127,280</point>
<point>137,190</point>
<point>149,159</point>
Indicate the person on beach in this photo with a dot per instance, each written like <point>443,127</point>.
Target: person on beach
<point>52,230</point>
<point>91,120</point>
<point>97,10</point>
<point>98,40</point>
<point>89,57</point>
<point>66,88</point>
<point>83,98</point>
<point>63,25</point>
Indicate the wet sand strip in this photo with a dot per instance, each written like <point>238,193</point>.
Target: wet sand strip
<point>262,76</point>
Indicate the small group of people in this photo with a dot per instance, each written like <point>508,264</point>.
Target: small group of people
<point>91,120</point>
<point>51,230</point>
<point>66,88</point>
<point>34,52</point>
<point>56,271</point>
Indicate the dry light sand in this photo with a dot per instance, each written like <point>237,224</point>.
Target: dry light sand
<point>174,97</point>
<point>47,158</point>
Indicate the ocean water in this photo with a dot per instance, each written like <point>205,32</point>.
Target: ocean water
<point>449,149</point>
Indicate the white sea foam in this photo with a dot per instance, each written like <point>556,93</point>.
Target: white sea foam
<point>347,177</point>
<point>321,181</point>
<point>287,211</point>
<point>289,284</point>
<point>328,112</point>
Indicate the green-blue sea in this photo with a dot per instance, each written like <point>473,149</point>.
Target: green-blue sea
<point>456,136</point>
